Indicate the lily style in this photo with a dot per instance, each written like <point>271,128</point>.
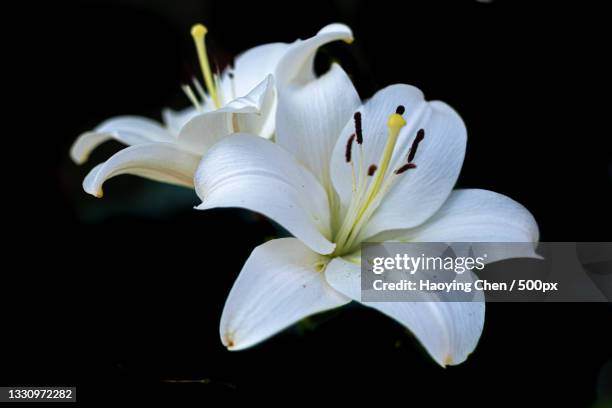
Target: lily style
<point>240,99</point>
<point>341,173</point>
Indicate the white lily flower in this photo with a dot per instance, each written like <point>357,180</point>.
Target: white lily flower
<point>343,173</point>
<point>241,99</point>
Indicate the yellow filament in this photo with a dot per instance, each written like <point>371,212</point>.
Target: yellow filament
<point>198,32</point>
<point>350,227</point>
<point>395,124</point>
<point>233,86</point>
<point>189,92</point>
<point>354,188</point>
<point>379,188</point>
<point>198,87</point>
<point>220,93</point>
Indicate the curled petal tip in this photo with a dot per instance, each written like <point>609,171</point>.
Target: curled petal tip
<point>91,185</point>
<point>228,342</point>
<point>84,144</point>
<point>346,34</point>
<point>297,64</point>
<point>76,155</point>
<point>337,28</point>
<point>96,193</point>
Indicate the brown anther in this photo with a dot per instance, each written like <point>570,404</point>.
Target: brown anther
<point>405,167</point>
<point>358,130</point>
<point>349,148</point>
<point>415,144</point>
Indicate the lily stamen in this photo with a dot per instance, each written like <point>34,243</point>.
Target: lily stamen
<point>395,124</point>
<point>358,129</point>
<point>364,197</point>
<point>349,148</point>
<point>405,167</point>
<point>198,32</point>
<point>218,87</point>
<point>199,89</point>
<point>191,96</point>
<point>348,157</point>
<point>233,85</point>
<point>415,144</point>
<point>384,189</point>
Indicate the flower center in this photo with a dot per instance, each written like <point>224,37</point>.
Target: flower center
<point>211,81</point>
<point>372,184</point>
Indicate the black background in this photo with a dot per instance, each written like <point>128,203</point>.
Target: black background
<point>122,296</point>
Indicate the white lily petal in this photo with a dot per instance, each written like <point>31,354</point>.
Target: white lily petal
<point>130,130</point>
<point>280,284</point>
<point>296,66</point>
<point>474,215</point>
<point>253,100</point>
<point>310,118</point>
<point>250,68</point>
<point>175,120</point>
<point>157,161</point>
<point>252,112</point>
<point>248,112</point>
<point>85,144</point>
<point>250,172</point>
<point>204,130</point>
<point>449,331</point>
